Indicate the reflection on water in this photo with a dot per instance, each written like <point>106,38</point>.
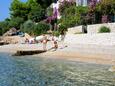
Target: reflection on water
<point>32,71</point>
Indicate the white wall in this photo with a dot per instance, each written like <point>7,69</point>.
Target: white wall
<point>74,30</point>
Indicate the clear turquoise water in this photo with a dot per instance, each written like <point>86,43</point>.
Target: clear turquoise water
<point>32,71</point>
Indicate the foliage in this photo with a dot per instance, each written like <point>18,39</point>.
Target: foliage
<point>16,22</point>
<point>81,14</point>
<point>81,9</point>
<point>62,27</point>
<point>104,29</point>
<point>71,15</point>
<point>30,10</point>
<point>70,11</point>
<point>1,32</point>
<point>70,21</point>
<point>4,26</point>
<point>90,18</point>
<point>37,14</point>
<point>45,3</point>
<point>56,33</point>
<point>35,29</point>
<point>28,27</point>
<point>19,9</point>
<point>64,6</point>
<point>41,28</point>
<point>106,7</point>
<point>22,12</point>
<point>49,11</point>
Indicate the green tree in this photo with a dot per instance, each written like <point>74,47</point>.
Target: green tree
<point>37,14</point>
<point>19,9</point>
<point>16,22</point>
<point>71,15</point>
<point>106,7</point>
<point>45,3</point>
<point>4,26</point>
<point>65,5</point>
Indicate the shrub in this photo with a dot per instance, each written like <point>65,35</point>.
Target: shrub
<point>72,15</point>
<point>28,27</point>
<point>56,33</point>
<point>4,27</point>
<point>35,29</point>
<point>104,29</point>
<point>69,21</point>
<point>41,28</point>
<point>62,27</point>
<point>16,22</point>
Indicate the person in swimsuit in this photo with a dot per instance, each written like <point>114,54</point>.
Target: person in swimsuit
<point>55,45</point>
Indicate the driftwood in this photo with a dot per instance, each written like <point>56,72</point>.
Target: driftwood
<point>28,52</point>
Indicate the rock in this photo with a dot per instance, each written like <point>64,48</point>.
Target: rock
<point>27,36</point>
<point>12,39</point>
<point>11,32</point>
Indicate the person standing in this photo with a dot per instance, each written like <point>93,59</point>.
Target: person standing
<point>55,44</point>
<point>62,35</point>
<point>44,42</point>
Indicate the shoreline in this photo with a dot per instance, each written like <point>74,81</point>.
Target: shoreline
<point>96,59</point>
<point>82,53</point>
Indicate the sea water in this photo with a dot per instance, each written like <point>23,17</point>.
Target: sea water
<point>36,71</point>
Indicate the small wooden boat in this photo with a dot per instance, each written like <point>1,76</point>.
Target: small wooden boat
<point>28,52</point>
<point>2,43</point>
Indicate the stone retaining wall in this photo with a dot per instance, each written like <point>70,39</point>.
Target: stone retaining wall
<point>75,30</point>
<point>98,39</point>
<point>92,29</point>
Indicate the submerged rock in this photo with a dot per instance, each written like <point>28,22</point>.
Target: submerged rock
<point>112,69</point>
